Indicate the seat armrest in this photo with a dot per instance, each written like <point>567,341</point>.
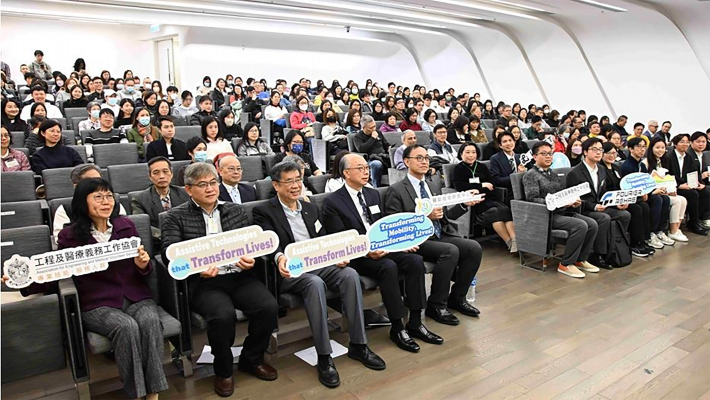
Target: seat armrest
<point>73,329</point>
<point>500,194</point>
<point>532,226</point>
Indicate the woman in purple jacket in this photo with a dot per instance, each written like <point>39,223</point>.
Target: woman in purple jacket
<point>116,303</point>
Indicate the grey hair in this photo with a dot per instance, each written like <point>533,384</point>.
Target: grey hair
<point>562,128</point>
<point>366,119</point>
<point>198,170</point>
<point>80,170</point>
<point>91,105</point>
<point>407,131</point>
<point>295,159</point>
<point>225,157</point>
<point>284,166</point>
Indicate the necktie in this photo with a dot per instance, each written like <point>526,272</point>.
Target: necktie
<point>423,193</point>
<point>166,203</point>
<point>512,163</point>
<point>236,197</point>
<point>365,210</point>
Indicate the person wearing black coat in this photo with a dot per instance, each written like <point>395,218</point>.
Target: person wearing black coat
<point>178,149</point>
<point>11,116</point>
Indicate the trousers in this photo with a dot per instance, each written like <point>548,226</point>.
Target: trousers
<point>582,232</point>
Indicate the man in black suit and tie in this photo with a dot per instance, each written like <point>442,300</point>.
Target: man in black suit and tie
<point>445,247</point>
<point>680,163</point>
<point>294,221</point>
<point>160,196</point>
<point>588,171</point>
<point>505,162</point>
<point>355,206</point>
<point>230,170</point>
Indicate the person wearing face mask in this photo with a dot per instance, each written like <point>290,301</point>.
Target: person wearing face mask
<point>229,126</point>
<point>294,143</point>
<point>142,130</point>
<point>574,152</point>
<point>128,91</point>
<point>303,120</point>
<point>185,109</point>
<point>92,122</point>
<point>206,87</point>
<point>197,150</point>
<point>172,95</point>
<point>561,138</point>
<point>111,101</point>
<point>333,133</point>
<point>106,133</point>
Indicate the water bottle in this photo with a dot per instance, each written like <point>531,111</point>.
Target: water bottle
<point>471,295</point>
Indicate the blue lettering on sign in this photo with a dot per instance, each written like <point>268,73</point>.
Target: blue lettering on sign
<point>639,180</point>
<point>295,267</point>
<point>179,268</point>
<point>399,232</point>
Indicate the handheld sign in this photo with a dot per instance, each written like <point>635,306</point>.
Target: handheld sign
<point>61,264</point>
<point>398,232</point>
<point>313,254</point>
<point>620,197</point>
<point>638,180</point>
<point>566,196</point>
<point>450,199</point>
<point>692,178</point>
<point>227,248</point>
<point>560,160</point>
<point>526,158</point>
<point>668,182</point>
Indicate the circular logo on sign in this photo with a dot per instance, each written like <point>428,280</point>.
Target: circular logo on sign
<point>424,206</point>
<point>295,267</point>
<point>179,268</point>
<point>17,268</point>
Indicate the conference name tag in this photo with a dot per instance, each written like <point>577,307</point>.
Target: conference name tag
<point>450,199</point>
<point>638,180</point>
<point>200,254</point>
<point>62,264</point>
<point>566,196</point>
<point>314,254</point>
<point>620,197</point>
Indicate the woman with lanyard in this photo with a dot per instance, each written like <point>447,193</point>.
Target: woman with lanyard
<point>471,174</point>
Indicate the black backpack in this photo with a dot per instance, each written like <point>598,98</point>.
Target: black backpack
<point>619,254</point>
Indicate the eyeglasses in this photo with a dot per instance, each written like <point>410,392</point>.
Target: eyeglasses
<point>612,153</point>
<point>545,154</point>
<point>596,149</point>
<point>99,198</point>
<point>291,182</point>
<point>234,169</point>
<point>362,168</point>
<point>421,158</point>
<point>203,185</point>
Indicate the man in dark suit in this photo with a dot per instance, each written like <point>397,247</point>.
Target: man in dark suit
<point>680,164</point>
<point>177,148</point>
<point>355,206</point>
<point>445,247</point>
<point>216,292</point>
<point>160,196</point>
<point>588,171</point>
<point>505,162</point>
<point>230,170</point>
<point>294,221</point>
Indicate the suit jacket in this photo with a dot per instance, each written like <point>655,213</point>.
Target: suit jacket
<point>580,174</point>
<point>340,213</point>
<point>271,217</point>
<point>246,192</point>
<point>690,164</point>
<point>158,148</point>
<point>501,169</point>
<point>148,202</point>
<point>402,196</point>
<point>701,163</point>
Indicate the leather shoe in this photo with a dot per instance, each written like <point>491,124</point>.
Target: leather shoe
<point>265,372</point>
<point>404,341</point>
<point>224,387</point>
<point>698,230</point>
<point>327,374</point>
<point>441,315</point>
<point>463,307</point>
<point>421,332</point>
<point>366,356</point>
<point>601,263</point>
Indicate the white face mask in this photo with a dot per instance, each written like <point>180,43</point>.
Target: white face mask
<point>303,107</point>
<point>119,86</point>
<point>173,96</point>
<point>229,122</point>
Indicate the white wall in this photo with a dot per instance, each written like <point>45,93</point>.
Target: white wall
<point>102,46</point>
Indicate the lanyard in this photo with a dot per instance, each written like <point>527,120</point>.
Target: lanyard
<point>473,171</point>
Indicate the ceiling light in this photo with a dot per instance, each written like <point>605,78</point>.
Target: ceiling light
<point>486,8</point>
<point>425,9</point>
<point>507,3</point>
<point>602,5</point>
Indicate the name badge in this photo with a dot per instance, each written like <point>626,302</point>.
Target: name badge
<point>212,227</point>
<point>318,226</point>
<point>474,180</point>
<point>375,209</point>
<point>12,164</point>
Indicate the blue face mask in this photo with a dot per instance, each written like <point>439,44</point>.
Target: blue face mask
<point>144,121</point>
<point>112,101</point>
<point>129,89</point>
<point>95,114</point>
<point>200,156</point>
<point>297,148</point>
<point>566,135</point>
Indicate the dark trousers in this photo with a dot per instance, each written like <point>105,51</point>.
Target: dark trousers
<point>659,208</point>
<point>217,298</point>
<point>582,232</point>
<point>698,204</point>
<point>640,226</point>
<point>449,252</point>
<point>601,244</point>
<point>386,270</point>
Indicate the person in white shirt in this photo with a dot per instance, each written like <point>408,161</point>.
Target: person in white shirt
<point>92,122</point>
<point>186,108</point>
<point>213,136</point>
<point>441,106</point>
<point>39,95</point>
<point>129,91</point>
<point>111,101</point>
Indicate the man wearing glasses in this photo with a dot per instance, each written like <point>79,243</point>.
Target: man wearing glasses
<point>216,292</point>
<point>445,247</point>
<point>231,190</point>
<point>294,221</point>
<point>355,206</point>
<point>588,171</point>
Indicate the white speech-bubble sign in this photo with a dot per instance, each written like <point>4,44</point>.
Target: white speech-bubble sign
<point>450,199</point>
<point>566,196</point>
<point>314,254</point>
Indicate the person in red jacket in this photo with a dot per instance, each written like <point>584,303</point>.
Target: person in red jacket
<point>410,121</point>
<point>303,120</point>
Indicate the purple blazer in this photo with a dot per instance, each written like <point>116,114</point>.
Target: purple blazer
<point>105,288</point>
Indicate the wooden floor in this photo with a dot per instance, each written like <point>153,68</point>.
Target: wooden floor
<point>638,332</point>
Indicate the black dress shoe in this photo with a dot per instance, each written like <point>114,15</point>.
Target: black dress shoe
<point>463,307</point>
<point>327,374</point>
<point>698,230</point>
<point>601,263</point>
<point>441,315</point>
<point>404,341</point>
<point>421,332</point>
<point>366,356</point>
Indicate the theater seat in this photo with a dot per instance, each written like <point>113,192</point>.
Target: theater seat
<point>18,186</point>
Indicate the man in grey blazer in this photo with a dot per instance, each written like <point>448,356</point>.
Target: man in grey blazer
<point>160,196</point>
<point>456,258</point>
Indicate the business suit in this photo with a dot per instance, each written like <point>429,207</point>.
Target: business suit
<point>246,192</point>
<point>340,214</point>
<point>313,285</point>
<point>501,169</point>
<point>158,148</point>
<point>148,202</point>
<point>449,251</point>
<point>698,200</point>
<point>580,174</point>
